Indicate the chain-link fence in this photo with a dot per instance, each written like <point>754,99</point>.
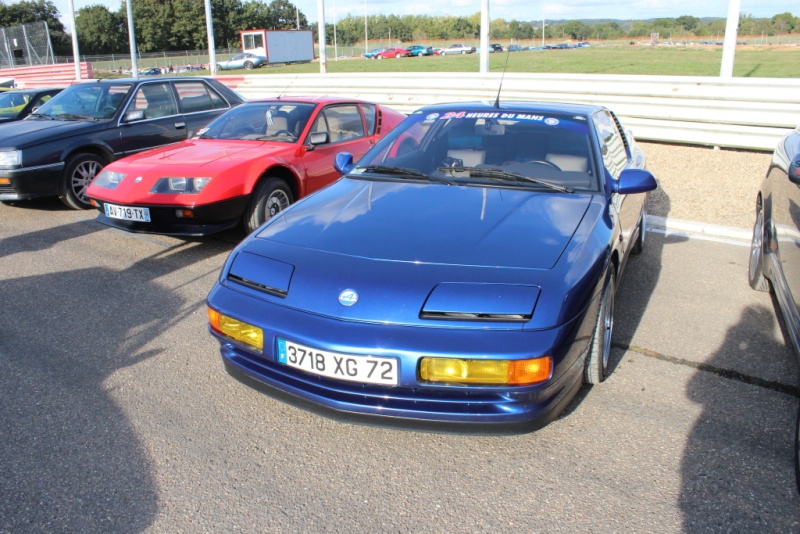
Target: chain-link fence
<point>25,45</point>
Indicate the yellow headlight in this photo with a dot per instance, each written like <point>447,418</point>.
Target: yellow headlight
<point>244,333</point>
<point>487,372</point>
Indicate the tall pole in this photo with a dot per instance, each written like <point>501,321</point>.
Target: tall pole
<point>132,41</point>
<point>335,47</point>
<point>366,34</point>
<point>484,36</point>
<point>212,47</point>
<point>75,53</point>
<point>731,36</point>
<point>543,30</point>
<point>323,54</point>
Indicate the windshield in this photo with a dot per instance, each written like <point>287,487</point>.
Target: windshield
<point>11,104</point>
<point>85,101</point>
<point>261,121</point>
<point>502,148</point>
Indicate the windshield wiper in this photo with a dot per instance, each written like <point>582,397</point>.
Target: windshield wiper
<point>40,116</point>
<point>73,117</point>
<point>403,171</point>
<point>505,175</point>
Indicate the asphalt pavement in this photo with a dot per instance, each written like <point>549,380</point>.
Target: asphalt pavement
<point>117,415</point>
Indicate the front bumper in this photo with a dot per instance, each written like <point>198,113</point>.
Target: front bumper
<point>31,182</point>
<point>482,408</point>
<point>208,218</point>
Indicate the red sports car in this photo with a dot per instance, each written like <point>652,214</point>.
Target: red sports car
<point>247,165</point>
<point>395,53</point>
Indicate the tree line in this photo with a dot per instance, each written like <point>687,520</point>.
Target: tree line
<point>174,25</point>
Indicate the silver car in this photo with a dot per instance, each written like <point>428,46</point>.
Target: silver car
<point>245,60</point>
<point>458,48</point>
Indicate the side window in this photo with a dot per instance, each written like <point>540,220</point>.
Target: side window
<point>370,115</point>
<point>197,96</point>
<point>343,123</point>
<point>612,144</point>
<point>155,99</point>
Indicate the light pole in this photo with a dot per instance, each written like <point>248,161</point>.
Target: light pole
<point>366,35</point>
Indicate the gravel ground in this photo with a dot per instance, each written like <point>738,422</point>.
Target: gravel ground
<point>705,185</point>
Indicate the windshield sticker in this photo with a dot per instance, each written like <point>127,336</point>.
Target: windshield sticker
<point>551,121</point>
<point>432,116</point>
<point>490,115</point>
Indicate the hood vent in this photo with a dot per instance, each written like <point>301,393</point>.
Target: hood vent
<point>481,302</point>
<point>261,274</point>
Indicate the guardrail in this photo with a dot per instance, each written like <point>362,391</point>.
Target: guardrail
<point>750,113</point>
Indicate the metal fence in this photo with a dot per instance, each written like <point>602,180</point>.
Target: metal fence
<point>26,44</point>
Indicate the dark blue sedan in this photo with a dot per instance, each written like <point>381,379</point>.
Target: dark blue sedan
<point>462,272</point>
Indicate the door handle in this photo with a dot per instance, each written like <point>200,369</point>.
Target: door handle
<point>180,125</point>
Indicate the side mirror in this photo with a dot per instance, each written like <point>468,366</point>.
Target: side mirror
<point>632,181</point>
<point>794,170</point>
<point>318,138</point>
<point>133,116</point>
<point>343,163</point>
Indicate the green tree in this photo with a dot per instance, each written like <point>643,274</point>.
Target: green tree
<point>100,31</point>
<point>27,11</point>
<point>784,23</point>
<point>687,23</point>
<point>283,16</point>
<point>577,30</point>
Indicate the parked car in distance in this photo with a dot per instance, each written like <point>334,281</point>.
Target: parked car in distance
<point>371,54</point>
<point>17,104</point>
<point>248,165</point>
<point>420,51</point>
<point>514,48</point>
<point>59,149</point>
<point>245,60</point>
<point>463,271</point>
<point>395,53</point>
<point>495,47</point>
<point>151,71</point>
<point>458,48</point>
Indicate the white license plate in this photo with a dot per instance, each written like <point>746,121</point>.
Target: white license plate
<point>127,213</point>
<point>363,369</point>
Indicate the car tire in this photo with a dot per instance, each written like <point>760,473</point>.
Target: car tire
<point>78,174</point>
<point>398,56</point>
<point>596,368</point>
<point>755,271</point>
<point>219,68</point>
<point>270,197</point>
<point>248,65</point>
<point>380,57</point>
<point>638,245</point>
<point>463,52</point>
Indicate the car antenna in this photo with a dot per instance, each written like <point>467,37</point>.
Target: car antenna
<point>286,88</point>
<point>497,100</point>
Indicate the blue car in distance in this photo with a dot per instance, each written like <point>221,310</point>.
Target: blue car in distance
<point>462,273</point>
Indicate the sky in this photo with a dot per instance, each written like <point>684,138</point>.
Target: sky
<point>522,10</point>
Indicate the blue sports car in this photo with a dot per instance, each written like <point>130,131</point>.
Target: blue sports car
<point>463,272</point>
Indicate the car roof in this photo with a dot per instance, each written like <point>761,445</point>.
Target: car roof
<point>144,80</point>
<point>32,90</point>
<point>514,105</point>
<point>308,99</point>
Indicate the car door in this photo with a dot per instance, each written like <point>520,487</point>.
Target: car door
<point>344,125</point>
<point>151,119</point>
<point>199,104</point>
<point>786,210</point>
<point>617,157</point>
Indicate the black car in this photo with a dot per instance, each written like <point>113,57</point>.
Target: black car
<point>495,47</point>
<point>17,104</point>
<point>775,249</point>
<point>60,148</point>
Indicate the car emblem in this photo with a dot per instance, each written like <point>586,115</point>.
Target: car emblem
<point>138,179</point>
<point>348,297</point>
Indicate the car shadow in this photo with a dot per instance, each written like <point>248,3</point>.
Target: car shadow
<point>72,461</point>
<point>737,466</point>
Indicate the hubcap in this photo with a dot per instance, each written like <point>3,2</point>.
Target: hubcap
<point>276,203</point>
<point>608,323</point>
<point>756,246</point>
<point>82,177</point>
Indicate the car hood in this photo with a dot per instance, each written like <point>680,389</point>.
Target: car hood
<point>24,133</point>
<point>401,244</point>
<point>201,152</point>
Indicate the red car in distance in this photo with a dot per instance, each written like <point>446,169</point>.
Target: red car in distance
<point>392,53</point>
<point>247,165</point>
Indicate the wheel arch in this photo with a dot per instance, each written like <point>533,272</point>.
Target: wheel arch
<point>96,150</point>
<point>284,173</point>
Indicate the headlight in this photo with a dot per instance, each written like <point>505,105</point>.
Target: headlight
<point>10,158</point>
<point>108,179</point>
<point>486,372</point>
<point>246,334</point>
<point>180,185</point>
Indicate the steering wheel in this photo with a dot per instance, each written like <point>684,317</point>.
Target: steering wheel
<point>545,162</point>
<point>281,133</point>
